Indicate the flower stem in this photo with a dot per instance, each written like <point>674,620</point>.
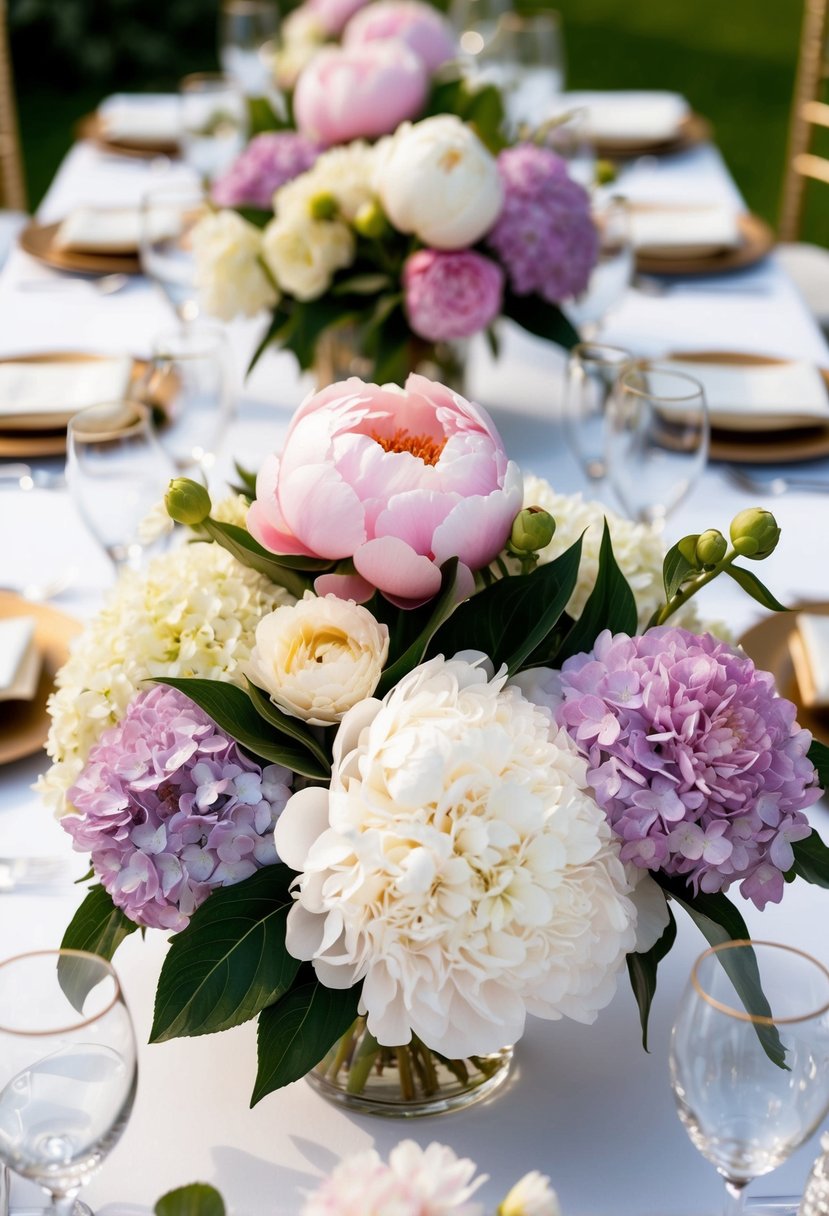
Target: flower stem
<point>407,1087</point>
<point>685,593</point>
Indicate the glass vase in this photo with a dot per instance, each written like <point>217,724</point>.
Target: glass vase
<point>338,356</point>
<point>815,1200</point>
<point>404,1082</point>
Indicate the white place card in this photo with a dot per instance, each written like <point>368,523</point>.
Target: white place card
<point>113,230</point>
<point>29,390</point>
<point>151,119</point>
<point>771,396</point>
<point>695,230</point>
<point>635,116</point>
<point>809,648</point>
<point>20,660</point>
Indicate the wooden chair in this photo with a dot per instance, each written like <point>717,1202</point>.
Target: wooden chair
<point>12,185</point>
<point>807,264</point>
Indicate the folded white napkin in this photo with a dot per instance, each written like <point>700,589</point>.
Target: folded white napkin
<point>695,230</point>
<point>29,390</point>
<point>809,648</point>
<point>20,660</point>
<point>151,119</point>
<point>631,116</point>
<point>763,397</point>
<point>113,230</point>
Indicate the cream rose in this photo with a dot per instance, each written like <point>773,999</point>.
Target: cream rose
<point>230,278</point>
<point>303,254</point>
<point>319,657</point>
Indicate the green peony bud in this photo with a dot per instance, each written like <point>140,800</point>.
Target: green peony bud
<point>370,221</point>
<point>187,502</point>
<point>532,530</point>
<point>754,533</point>
<point>606,172</point>
<point>711,548</point>
<point>688,548</point>
<point>324,206</point>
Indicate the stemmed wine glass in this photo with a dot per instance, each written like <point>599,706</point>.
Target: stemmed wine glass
<point>592,370</point>
<point>476,22</point>
<point>247,37</point>
<point>214,122</point>
<point>656,439</point>
<point>749,1058</point>
<point>525,58</point>
<point>169,213</point>
<point>68,1070</point>
<point>612,275</point>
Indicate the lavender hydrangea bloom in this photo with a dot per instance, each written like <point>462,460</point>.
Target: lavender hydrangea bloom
<point>170,808</point>
<point>700,766</point>
<point>545,235</point>
<point>268,162</point>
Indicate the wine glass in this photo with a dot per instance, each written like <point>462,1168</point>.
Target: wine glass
<point>67,1070</point>
<point>613,272</point>
<point>476,22</point>
<point>169,213</point>
<point>749,1060</point>
<point>592,371</point>
<point>188,386</point>
<point>116,472</point>
<point>247,38</point>
<point>656,439</point>
<point>214,122</point>
<point>525,58</point>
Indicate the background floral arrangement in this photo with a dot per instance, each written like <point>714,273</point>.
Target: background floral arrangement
<point>483,805</point>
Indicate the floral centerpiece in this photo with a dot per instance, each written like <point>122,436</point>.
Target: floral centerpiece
<point>451,777</point>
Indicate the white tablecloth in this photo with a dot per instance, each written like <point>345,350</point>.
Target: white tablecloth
<point>586,1104</point>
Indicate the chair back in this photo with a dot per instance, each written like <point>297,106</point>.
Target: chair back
<point>809,112</point>
<point>12,185</point>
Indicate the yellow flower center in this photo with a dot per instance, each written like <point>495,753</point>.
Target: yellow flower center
<point>423,446</point>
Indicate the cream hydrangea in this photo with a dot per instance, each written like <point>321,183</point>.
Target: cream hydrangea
<point>457,865</point>
<point>229,274</point>
<point>193,612</point>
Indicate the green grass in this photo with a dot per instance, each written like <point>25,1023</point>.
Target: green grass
<point>735,61</point>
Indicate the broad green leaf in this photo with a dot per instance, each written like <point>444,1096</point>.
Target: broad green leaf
<point>98,927</point>
<point>642,972</point>
<point>811,859</point>
<point>719,921</point>
<point>819,756</point>
<point>296,1032</point>
<point>751,584</point>
<point>310,319</point>
<point>256,216</point>
<point>511,619</point>
<point>442,608</point>
<point>538,317</point>
<point>245,549</point>
<point>278,326</point>
<point>197,1199</point>
<point>610,605</point>
<point>675,570</point>
<point>231,709</point>
<point>293,727</point>
<point>230,961</point>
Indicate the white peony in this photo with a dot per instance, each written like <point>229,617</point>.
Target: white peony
<point>437,180</point>
<point>193,612</point>
<point>532,1195</point>
<point>457,865</point>
<point>229,275</point>
<point>319,657</point>
<point>303,254</point>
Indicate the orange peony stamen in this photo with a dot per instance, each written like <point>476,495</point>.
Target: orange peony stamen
<point>423,446</point>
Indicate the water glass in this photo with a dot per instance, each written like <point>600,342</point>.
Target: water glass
<point>656,439</point>
<point>116,472</point>
<point>567,133</point>
<point>189,388</point>
<point>214,122</point>
<point>749,1057</point>
<point>612,275</point>
<point>592,371</point>
<point>169,213</point>
<point>247,42</point>
<point>526,60</point>
<point>476,22</point>
<point>68,1069</point>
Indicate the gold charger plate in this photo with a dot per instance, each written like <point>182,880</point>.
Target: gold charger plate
<point>91,126</point>
<point>693,130</point>
<point>756,242</point>
<point>760,447</point>
<point>39,241</point>
<point>24,725</point>
<point>767,643</point>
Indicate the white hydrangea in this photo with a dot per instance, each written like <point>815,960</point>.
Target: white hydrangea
<point>193,612</point>
<point>457,865</point>
<point>229,274</point>
<point>345,172</point>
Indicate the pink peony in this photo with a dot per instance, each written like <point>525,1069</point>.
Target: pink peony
<point>399,479</point>
<point>420,26</point>
<point>451,295</point>
<point>333,15</point>
<point>268,162</point>
<point>359,92</point>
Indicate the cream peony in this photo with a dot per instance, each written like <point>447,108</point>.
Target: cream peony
<point>457,865</point>
<point>437,180</point>
<point>319,657</point>
<point>229,275</point>
<point>345,173</point>
<point>532,1195</point>
<point>303,254</point>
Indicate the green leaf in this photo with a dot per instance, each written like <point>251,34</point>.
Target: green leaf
<point>309,320</point>
<point>293,727</point>
<point>362,285</point>
<point>230,961</point>
<point>258,216</point>
<point>811,858</point>
<point>510,619</point>
<point>442,609</point>
<point>642,972</point>
<point>231,709</point>
<point>539,317</point>
<point>610,605</point>
<point>246,550</point>
<point>247,479</point>
<point>675,570</point>
<point>719,921</point>
<point>751,584</point>
<point>98,927</point>
<point>278,325</point>
<point>197,1199</point>
<point>819,756</point>
<point>296,1032</point>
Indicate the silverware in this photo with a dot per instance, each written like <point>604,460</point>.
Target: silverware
<point>49,589</point>
<point>106,285</point>
<point>652,285</point>
<point>5,1188</point>
<point>22,477</point>
<point>19,873</point>
<point>757,483</point>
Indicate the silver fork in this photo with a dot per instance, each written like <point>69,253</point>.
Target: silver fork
<point>19,873</point>
<point>756,483</point>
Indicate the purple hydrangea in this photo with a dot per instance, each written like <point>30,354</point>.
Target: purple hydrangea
<point>545,235</point>
<point>700,766</point>
<point>268,162</point>
<point>170,808</point>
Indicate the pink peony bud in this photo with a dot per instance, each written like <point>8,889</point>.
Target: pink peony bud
<point>451,295</point>
<point>422,28</point>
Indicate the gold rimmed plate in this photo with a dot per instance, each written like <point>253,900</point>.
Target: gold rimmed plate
<point>692,131</point>
<point>756,242</point>
<point>93,127</point>
<point>767,644</point>
<point>39,240</point>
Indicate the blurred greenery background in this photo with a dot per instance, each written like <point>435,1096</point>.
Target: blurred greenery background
<point>735,61</point>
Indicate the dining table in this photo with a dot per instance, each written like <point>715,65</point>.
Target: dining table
<point>586,1105</point>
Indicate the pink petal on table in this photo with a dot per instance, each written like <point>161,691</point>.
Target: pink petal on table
<point>394,567</point>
